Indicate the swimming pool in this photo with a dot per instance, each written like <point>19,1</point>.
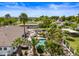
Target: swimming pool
<point>41,41</point>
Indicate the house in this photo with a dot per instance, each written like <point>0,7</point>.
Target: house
<point>7,35</point>
<point>60,22</point>
<point>71,32</point>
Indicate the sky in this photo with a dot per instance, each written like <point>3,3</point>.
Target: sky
<point>36,9</point>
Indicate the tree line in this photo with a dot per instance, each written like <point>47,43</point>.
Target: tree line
<point>43,21</point>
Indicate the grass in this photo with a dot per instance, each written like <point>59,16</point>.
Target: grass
<point>74,44</point>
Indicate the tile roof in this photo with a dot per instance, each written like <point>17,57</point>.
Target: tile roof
<point>9,33</point>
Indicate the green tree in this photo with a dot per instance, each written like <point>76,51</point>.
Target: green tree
<point>40,49</point>
<point>11,21</point>
<point>34,42</point>
<point>7,16</point>
<point>77,51</point>
<point>43,17</point>
<point>63,18</point>
<point>17,43</point>
<point>1,21</point>
<point>7,19</point>
<point>46,23</point>
<point>77,19</point>
<point>70,18</point>
<point>54,39</point>
<point>53,48</point>
<point>23,19</point>
<point>54,17</point>
<point>55,33</point>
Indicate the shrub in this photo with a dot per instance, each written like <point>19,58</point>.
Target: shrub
<point>40,49</point>
<point>70,39</point>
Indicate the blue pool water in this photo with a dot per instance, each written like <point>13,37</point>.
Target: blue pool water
<point>41,41</point>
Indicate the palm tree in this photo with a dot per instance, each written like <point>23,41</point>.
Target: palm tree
<point>55,33</point>
<point>54,39</point>
<point>53,48</point>
<point>34,42</point>
<point>23,18</point>
<point>40,50</point>
<point>17,43</point>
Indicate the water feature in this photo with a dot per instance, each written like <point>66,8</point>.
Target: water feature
<point>41,41</point>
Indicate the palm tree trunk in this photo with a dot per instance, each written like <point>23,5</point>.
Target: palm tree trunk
<point>34,51</point>
<point>24,30</point>
<point>20,51</point>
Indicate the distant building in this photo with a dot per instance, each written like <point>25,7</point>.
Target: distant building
<point>60,22</point>
<point>71,32</point>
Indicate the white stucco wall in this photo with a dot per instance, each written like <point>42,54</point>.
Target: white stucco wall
<point>9,50</point>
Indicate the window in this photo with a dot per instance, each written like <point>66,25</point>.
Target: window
<point>5,48</point>
<point>0,48</point>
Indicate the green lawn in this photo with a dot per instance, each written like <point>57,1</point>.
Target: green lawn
<point>74,44</point>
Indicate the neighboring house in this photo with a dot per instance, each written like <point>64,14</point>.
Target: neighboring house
<point>7,35</point>
<point>71,32</point>
<point>60,22</point>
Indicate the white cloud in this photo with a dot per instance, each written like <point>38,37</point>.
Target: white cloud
<point>38,12</point>
<point>62,6</point>
<point>52,9</point>
<point>53,6</point>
